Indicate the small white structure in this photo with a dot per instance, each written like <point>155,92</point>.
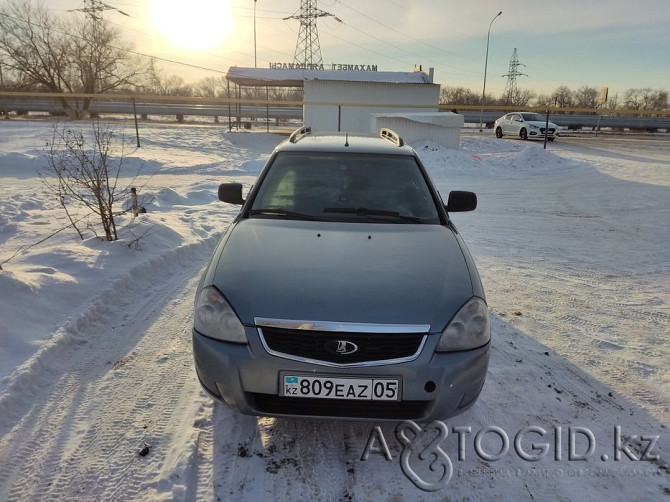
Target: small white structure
<point>336,102</point>
<point>358,101</point>
<point>443,128</point>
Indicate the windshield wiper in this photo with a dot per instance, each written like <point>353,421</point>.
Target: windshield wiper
<point>286,214</point>
<point>379,214</point>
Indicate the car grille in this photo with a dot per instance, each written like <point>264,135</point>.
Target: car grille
<point>298,406</point>
<point>320,345</point>
<point>551,130</point>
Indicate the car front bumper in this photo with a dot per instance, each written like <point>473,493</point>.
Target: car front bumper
<point>435,385</point>
<point>539,133</point>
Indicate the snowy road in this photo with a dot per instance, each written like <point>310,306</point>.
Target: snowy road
<point>109,407</point>
<point>127,382</point>
<point>584,258</point>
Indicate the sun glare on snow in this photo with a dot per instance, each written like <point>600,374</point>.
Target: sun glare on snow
<point>196,25</point>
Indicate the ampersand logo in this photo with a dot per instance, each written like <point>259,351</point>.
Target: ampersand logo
<point>425,443</point>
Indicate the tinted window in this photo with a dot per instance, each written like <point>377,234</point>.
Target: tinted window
<point>310,183</point>
<point>535,117</point>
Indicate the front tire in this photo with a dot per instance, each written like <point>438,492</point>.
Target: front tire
<point>550,139</point>
<point>499,132</point>
<point>523,134</point>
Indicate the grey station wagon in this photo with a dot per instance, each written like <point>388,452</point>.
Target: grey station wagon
<point>342,289</point>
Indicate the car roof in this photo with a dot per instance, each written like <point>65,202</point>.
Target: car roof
<point>345,143</point>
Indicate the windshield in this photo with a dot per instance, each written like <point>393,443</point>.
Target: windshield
<point>345,187</point>
<point>533,117</point>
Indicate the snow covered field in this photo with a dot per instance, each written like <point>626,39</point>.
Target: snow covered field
<point>573,245</point>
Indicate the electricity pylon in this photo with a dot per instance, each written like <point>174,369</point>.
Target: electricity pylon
<point>511,93</point>
<point>95,8</point>
<point>307,49</point>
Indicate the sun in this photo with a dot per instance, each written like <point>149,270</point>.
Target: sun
<point>195,25</point>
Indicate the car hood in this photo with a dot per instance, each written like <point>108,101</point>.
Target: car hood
<point>346,272</point>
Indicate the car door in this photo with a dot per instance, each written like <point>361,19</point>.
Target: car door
<point>506,123</point>
<point>515,124</point>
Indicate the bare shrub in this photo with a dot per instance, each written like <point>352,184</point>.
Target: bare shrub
<point>83,173</point>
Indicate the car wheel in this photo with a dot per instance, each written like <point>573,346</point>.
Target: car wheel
<point>523,134</point>
<point>550,139</point>
<point>498,132</point>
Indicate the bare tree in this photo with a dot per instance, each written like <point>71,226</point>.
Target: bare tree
<point>52,54</point>
<point>35,46</point>
<point>256,93</point>
<point>101,61</point>
<point>286,93</point>
<point>563,96</point>
<point>167,85</point>
<point>458,96</point>
<point>613,102</point>
<point>524,97</point>
<point>210,87</point>
<point>83,173</point>
<point>645,99</point>
<point>586,97</point>
<point>544,100</point>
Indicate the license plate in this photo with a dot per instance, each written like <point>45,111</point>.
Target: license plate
<point>363,389</point>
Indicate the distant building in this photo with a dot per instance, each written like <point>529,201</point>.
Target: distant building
<point>360,100</point>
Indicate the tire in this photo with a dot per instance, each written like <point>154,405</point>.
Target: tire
<point>523,134</point>
<point>499,132</point>
<point>550,139</point>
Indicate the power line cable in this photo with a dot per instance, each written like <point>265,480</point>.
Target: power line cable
<point>441,49</point>
<point>218,56</point>
<point>117,48</point>
<point>421,57</point>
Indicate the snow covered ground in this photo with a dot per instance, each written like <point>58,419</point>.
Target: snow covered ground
<point>573,245</point>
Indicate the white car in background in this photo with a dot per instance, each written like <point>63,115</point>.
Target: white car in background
<point>524,125</point>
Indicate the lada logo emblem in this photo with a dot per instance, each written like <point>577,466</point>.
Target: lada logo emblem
<point>341,347</point>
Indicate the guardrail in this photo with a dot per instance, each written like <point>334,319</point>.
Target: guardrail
<point>237,109</point>
<point>573,118</point>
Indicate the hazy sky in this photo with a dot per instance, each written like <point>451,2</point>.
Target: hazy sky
<point>618,43</point>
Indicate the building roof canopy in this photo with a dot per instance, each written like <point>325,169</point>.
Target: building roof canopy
<point>277,77</point>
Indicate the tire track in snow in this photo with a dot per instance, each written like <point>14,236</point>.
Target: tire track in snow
<point>94,405</point>
<point>589,314</point>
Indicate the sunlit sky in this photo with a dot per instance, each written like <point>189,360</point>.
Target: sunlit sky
<point>617,43</point>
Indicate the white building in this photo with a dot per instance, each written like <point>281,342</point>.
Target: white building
<point>357,101</point>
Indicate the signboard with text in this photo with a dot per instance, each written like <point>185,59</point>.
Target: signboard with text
<point>322,67</point>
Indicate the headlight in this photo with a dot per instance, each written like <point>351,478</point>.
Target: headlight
<point>215,318</point>
<point>469,329</point>
<point>533,126</point>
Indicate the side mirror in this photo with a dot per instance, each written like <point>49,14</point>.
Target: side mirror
<point>461,201</point>
<point>231,193</point>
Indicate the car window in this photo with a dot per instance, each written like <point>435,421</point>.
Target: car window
<point>324,185</point>
<point>534,117</point>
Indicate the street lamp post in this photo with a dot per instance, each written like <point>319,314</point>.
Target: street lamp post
<point>486,62</point>
<point>2,88</point>
<point>255,66</point>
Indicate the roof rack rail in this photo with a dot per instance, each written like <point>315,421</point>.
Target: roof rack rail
<point>298,134</point>
<point>391,136</point>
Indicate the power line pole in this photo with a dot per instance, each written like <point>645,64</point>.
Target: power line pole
<point>307,49</point>
<point>95,8</point>
<point>511,93</point>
